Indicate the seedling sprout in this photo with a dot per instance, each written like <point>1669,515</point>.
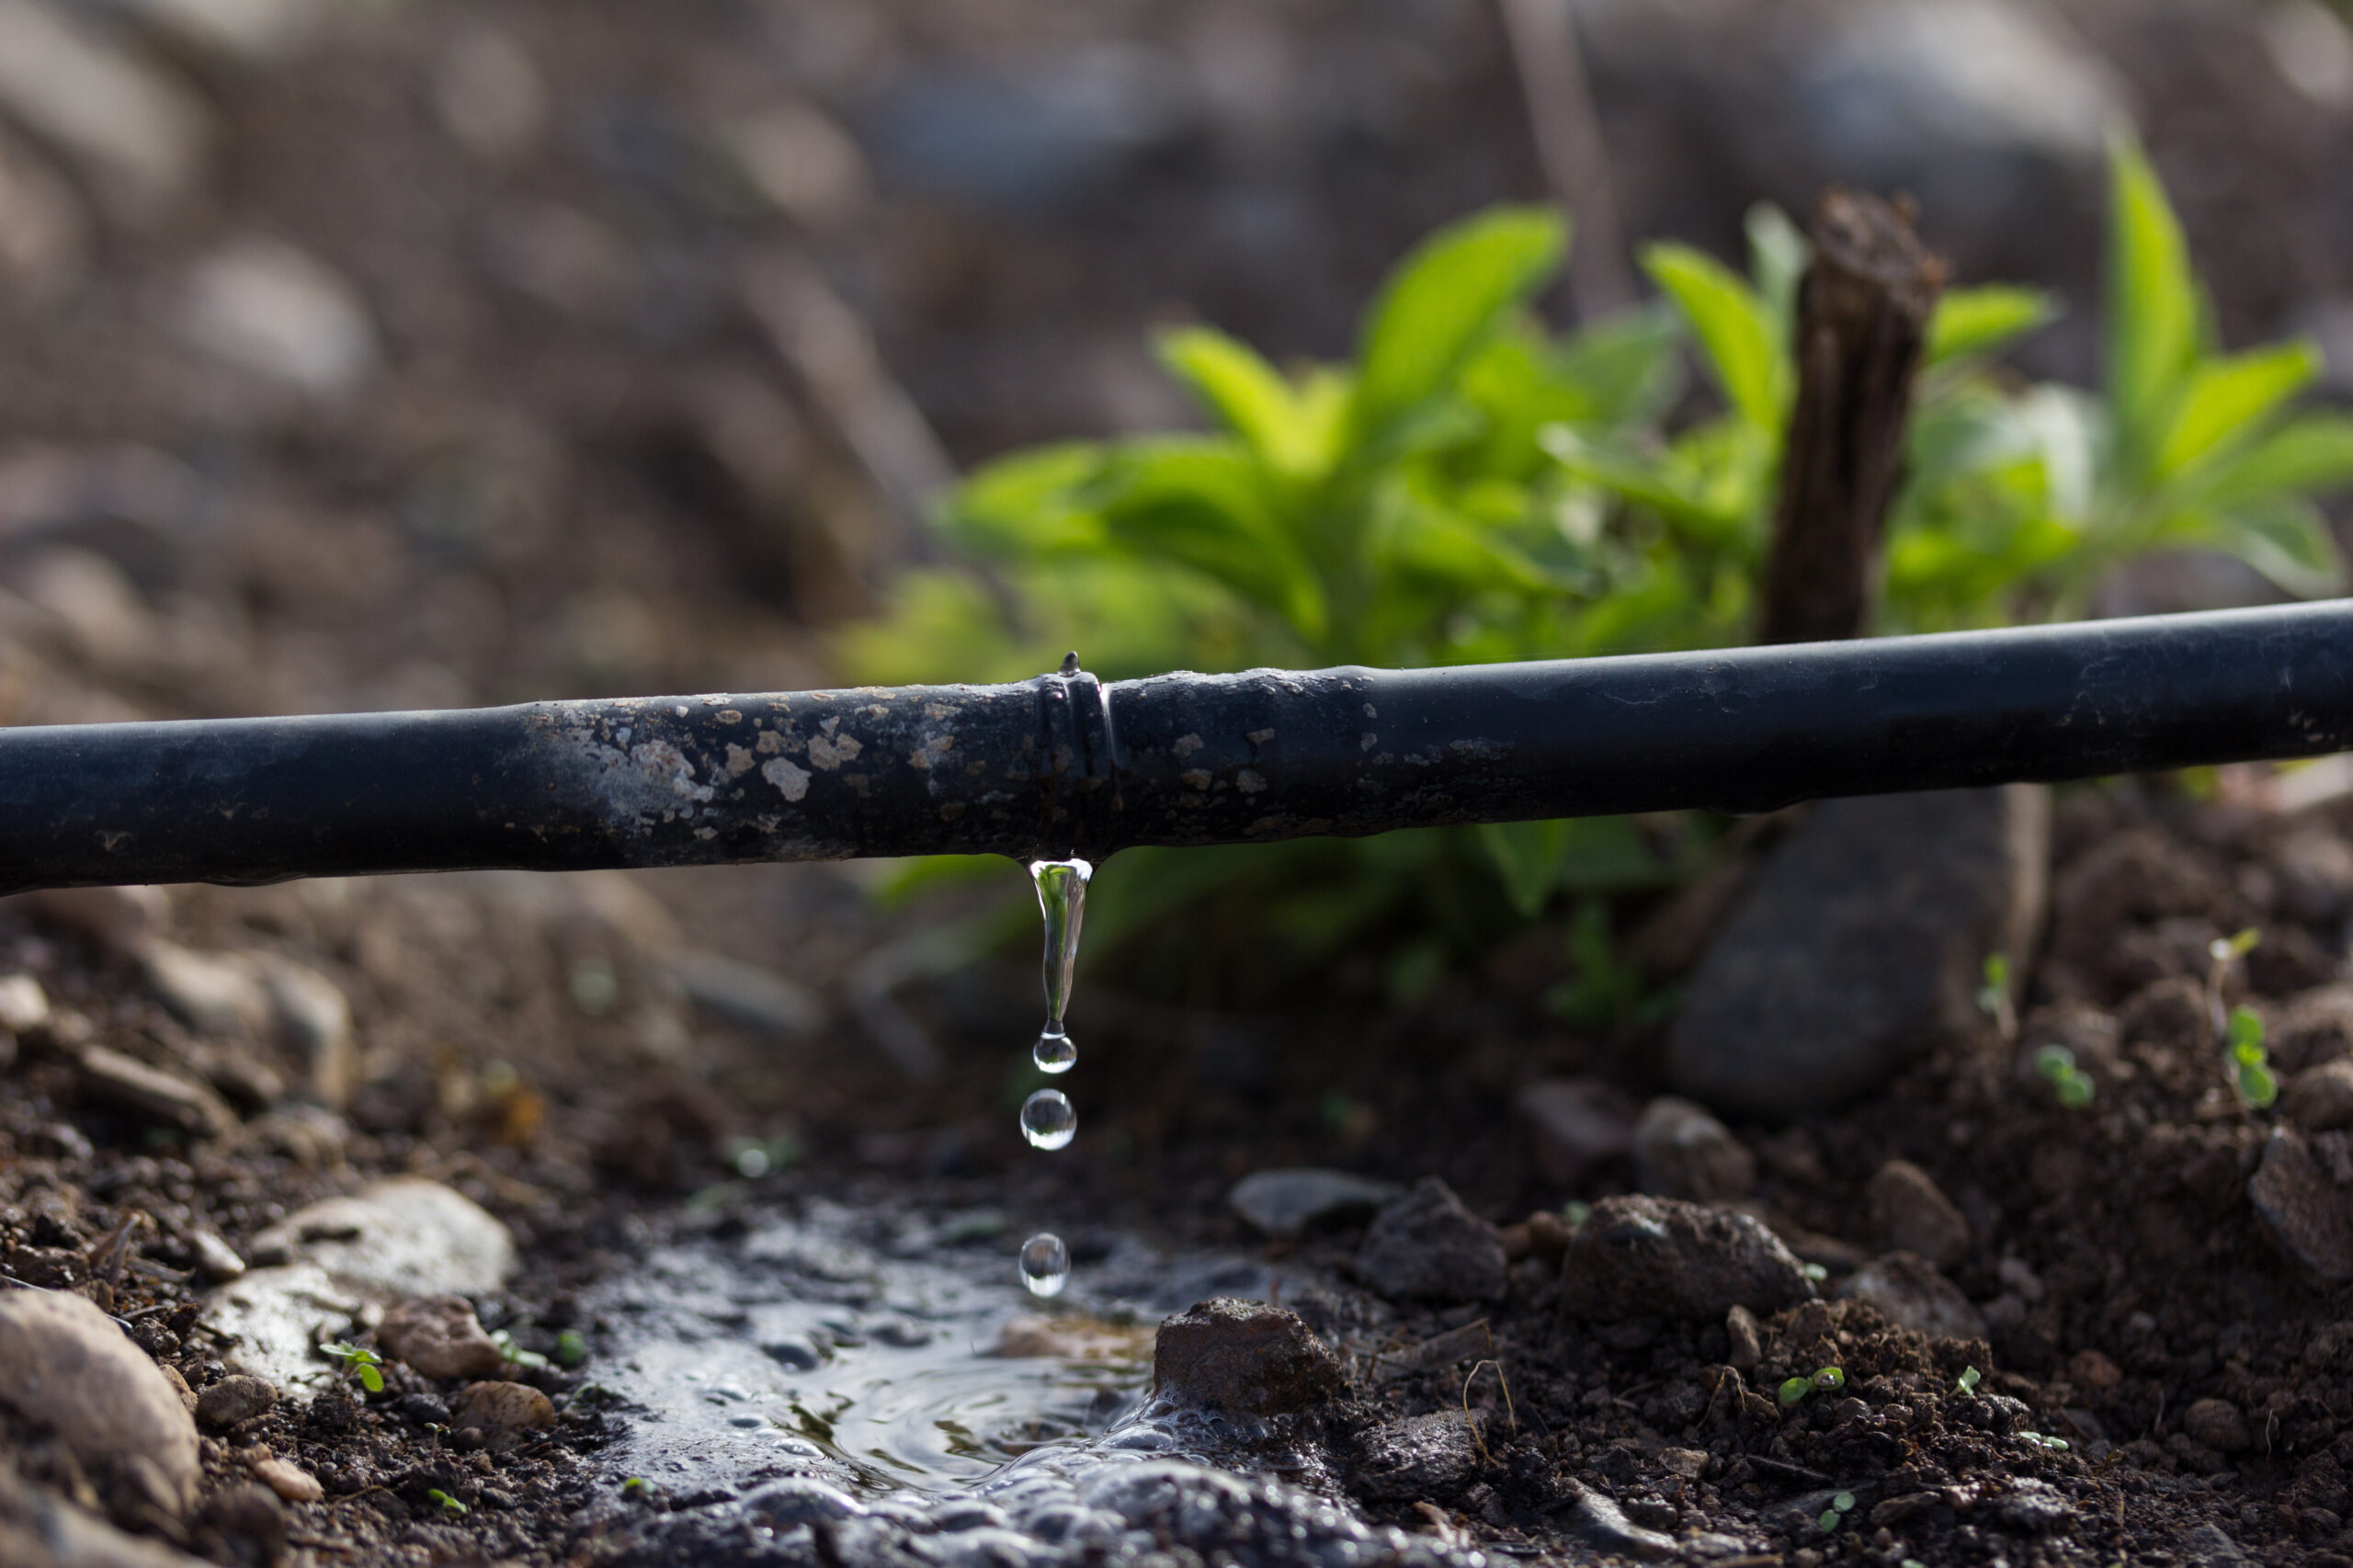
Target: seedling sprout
<point>448,1504</point>
<point>363,1364</point>
<point>571,1347</point>
<point>1994,996</point>
<point>1968,1380</point>
<point>2070,1083</point>
<point>1840,1507</point>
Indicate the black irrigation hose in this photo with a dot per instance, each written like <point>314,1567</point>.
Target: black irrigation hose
<point>1064,763</point>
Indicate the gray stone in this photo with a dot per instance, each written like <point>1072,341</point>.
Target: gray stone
<point>2206,1547</point>
<point>216,1257</point>
<point>24,1006</point>
<point>235,1399</point>
<point>65,1364</point>
<point>1862,945</point>
<point>1911,1213</point>
<point>1908,1292</point>
<point>137,135</point>
<point>1599,1523</point>
<point>2304,1208</point>
<point>209,992</point>
<point>1579,1125</point>
<point>1290,1202</point>
<point>1427,1246</point>
<point>153,1094</point>
<point>1658,1258</point>
<point>440,1337</point>
<point>505,1413</point>
<point>1422,1456</point>
<point>1243,1356</point>
<point>39,1530</point>
<point>312,1016</point>
<point>1681,1151</point>
<point>280,313</point>
<point>328,1262</point>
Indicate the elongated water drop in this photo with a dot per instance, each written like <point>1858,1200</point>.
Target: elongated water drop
<point>1054,1052</point>
<point>1061,898</point>
<point>1048,1120</point>
<point>1045,1264</point>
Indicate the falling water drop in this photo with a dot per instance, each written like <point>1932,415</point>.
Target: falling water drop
<point>1048,1120</point>
<point>1045,1264</point>
<point>1054,1052</point>
<point>1061,898</point>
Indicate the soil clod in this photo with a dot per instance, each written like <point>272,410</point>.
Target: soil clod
<point>1242,1356</point>
<point>1427,1245</point>
<point>1642,1257</point>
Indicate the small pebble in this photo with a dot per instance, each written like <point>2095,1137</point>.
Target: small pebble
<point>235,1400</point>
<point>288,1479</point>
<point>2217,1424</point>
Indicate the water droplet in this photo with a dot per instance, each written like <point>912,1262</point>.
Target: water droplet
<point>1045,1264</point>
<point>1048,1120</point>
<point>1061,898</point>
<point>1054,1052</point>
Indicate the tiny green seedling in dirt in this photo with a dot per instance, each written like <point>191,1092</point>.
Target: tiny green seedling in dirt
<point>514,1354</point>
<point>1968,1380</point>
<point>446,1504</point>
<point>365,1364</point>
<point>1827,1379</point>
<point>2246,1064</point>
<point>1840,1507</point>
<point>571,1347</point>
<point>1995,999</point>
<point>2070,1084</point>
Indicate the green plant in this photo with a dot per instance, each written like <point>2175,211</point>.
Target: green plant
<point>514,1354</point>
<point>1993,997</point>
<point>2069,1083</point>
<point>2251,1073</point>
<point>1968,1380</point>
<point>1473,487</point>
<point>1827,1379</point>
<point>571,1347</point>
<point>446,1504</point>
<point>1840,1507</point>
<point>363,1364</point>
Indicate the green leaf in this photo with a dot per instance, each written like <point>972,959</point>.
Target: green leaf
<point>1640,478</point>
<point>1029,504</point>
<point>1980,321</point>
<point>1439,306</point>
<point>1204,504</point>
<point>2226,401</point>
<point>2286,540</point>
<point>1526,855</point>
<point>1778,255</point>
<point>2311,455</point>
<point>1293,433</point>
<point>2152,299</point>
<point>1735,329</point>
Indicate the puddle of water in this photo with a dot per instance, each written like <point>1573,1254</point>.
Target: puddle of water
<point>823,1345</point>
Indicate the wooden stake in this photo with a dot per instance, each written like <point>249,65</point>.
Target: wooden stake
<point>1863,313</point>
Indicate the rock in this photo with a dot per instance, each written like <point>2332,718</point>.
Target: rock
<point>1659,1257</point>
<point>798,1499</point>
<point>2305,1210</point>
<point>747,993</point>
<point>395,1239</point>
<point>1242,1356</point>
<point>24,1006</point>
<point>180,1391</point>
<point>153,1094</point>
<point>44,232</point>
<point>489,93</point>
<point>1427,1246</point>
<point>1579,1126</point>
<point>39,1530</point>
<point>501,1411</point>
<point>312,1016</point>
<point>216,1257</point>
<point>1418,1458</point>
<point>1861,945</point>
<point>1288,1203</point>
<point>137,136</point>
<point>1746,1340</point>
<point>1599,1523</point>
<point>208,993</point>
<point>2218,1424</point>
<point>1911,1213</point>
<point>804,166</point>
<point>1907,1290</point>
<point>1680,1150</point>
<point>440,1338</point>
<point>117,919</point>
<point>2320,1099</point>
<point>279,313</point>
<point>2089,1368</point>
<point>2031,1508</point>
<point>288,1479</point>
<point>65,1363</point>
<point>235,1400</point>
<point>2206,1547</point>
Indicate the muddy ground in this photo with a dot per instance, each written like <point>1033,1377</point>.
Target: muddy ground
<point>565,452</point>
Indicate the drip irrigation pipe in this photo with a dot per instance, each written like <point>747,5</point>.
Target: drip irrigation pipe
<point>1066,764</point>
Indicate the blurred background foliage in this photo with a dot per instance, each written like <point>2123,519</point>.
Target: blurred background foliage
<point>1474,486</point>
